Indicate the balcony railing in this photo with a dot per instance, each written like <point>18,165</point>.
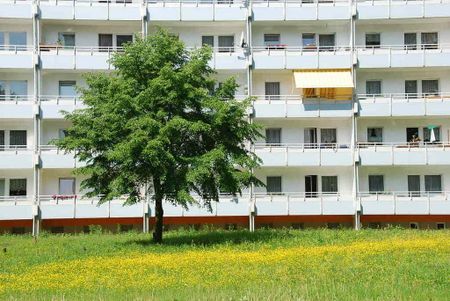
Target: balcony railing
<point>411,195</point>
<point>404,145</point>
<point>57,99</point>
<point>171,3</point>
<point>311,50</point>
<point>399,2</point>
<point>403,97</point>
<point>16,48</point>
<point>299,99</point>
<point>301,2</point>
<point>16,98</point>
<point>301,146</point>
<point>79,49</point>
<point>92,2</point>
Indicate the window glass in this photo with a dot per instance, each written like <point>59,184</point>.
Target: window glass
<point>373,87</point>
<point>18,187</point>
<point>105,41</point>
<point>66,186</point>
<point>412,135</point>
<point>271,39</point>
<point>328,136</point>
<point>329,184</point>
<point>326,41</point>
<point>411,88</point>
<point>18,39</point>
<point>62,133</point>
<point>18,138</point>
<point>410,40</point>
<point>67,88</point>
<point>375,135</point>
<point>273,136</point>
<point>272,89</point>
<point>376,183</point>
<point>18,88</point>
<point>433,183</point>
<point>2,90</point>
<point>430,87</point>
<point>310,135</point>
<point>373,40</point>
<point>2,140</point>
<point>309,40</point>
<point>432,134</point>
<point>273,184</point>
<point>226,43</point>
<point>67,39</point>
<point>429,40</point>
<point>2,187</point>
<point>121,40</point>
<point>414,185</point>
<point>2,39</point>
<point>208,40</point>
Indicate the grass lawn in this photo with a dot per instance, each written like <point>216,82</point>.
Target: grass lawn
<point>391,264</point>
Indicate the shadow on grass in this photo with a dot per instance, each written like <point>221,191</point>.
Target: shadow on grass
<point>209,238</point>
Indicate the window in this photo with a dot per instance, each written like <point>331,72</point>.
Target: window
<point>208,40</point>
<point>62,133</point>
<point>411,88</point>
<point>271,39</point>
<point>440,226</point>
<point>310,136</point>
<point>309,40</point>
<point>67,88</point>
<point>329,184</point>
<point>66,186</point>
<point>2,140</point>
<point>328,136</point>
<point>311,186</point>
<point>273,184</point>
<point>18,138</point>
<point>410,40</point>
<point>272,90</point>
<point>18,39</point>
<point>2,187</point>
<point>2,38</point>
<point>17,187</point>
<point>414,185</point>
<point>226,43</point>
<point>273,136</point>
<point>373,87</point>
<point>430,87</point>
<point>412,134</point>
<point>105,41</point>
<point>66,39</point>
<point>326,42</point>
<point>373,40</point>
<point>121,40</point>
<point>375,135</point>
<point>432,134</point>
<point>433,183</point>
<point>18,89</point>
<point>429,40</point>
<point>376,183</point>
<point>2,90</point>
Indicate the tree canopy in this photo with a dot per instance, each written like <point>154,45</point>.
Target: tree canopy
<point>160,120</point>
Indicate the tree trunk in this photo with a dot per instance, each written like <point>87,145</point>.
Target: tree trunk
<point>159,213</point>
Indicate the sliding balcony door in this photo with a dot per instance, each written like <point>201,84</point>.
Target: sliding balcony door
<point>414,185</point>
<point>105,42</point>
<point>311,188</point>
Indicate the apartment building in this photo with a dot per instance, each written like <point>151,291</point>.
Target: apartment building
<point>353,96</point>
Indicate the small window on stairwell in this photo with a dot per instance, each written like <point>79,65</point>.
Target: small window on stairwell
<point>18,187</point>
<point>273,185</point>
<point>373,40</point>
<point>273,136</point>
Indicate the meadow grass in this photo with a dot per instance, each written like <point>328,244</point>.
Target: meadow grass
<point>284,264</point>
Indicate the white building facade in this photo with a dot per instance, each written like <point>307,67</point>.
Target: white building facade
<point>353,97</point>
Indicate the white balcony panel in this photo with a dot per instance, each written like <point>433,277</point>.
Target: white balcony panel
<point>82,59</point>
<point>374,207</point>
<point>58,159</point>
<point>272,205</point>
<point>20,109</point>
<point>438,107</point>
<point>306,206</point>
<point>171,210</point>
<point>125,12</point>
<point>302,157</point>
<point>229,61</point>
<point>295,10</point>
<point>297,59</point>
<point>440,207</point>
<point>85,11</point>
<point>18,211</point>
<point>20,159</point>
<point>53,109</point>
<point>268,12</point>
<point>53,210</point>
<point>438,155</point>
<point>63,10</point>
<point>90,10</point>
<point>409,156</point>
<point>16,59</point>
<point>338,207</point>
<point>16,9</point>
<point>385,9</point>
<point>381,156</point>
<point>199,210</point>
<point>336,157</point>
<point>275,156</point>
<point>233,207</point>
<point>410,207</point>
<point>90,209</point>
<point>117,209</point>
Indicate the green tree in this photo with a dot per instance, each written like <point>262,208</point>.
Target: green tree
<point>157,121</point>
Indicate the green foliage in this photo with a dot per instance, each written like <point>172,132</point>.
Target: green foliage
<point>157,120</point>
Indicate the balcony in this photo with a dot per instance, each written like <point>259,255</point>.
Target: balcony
<point>407,153</point>
<point>293,106</point>
<point>16,157</point>
<point>297,57</point>
<point>16,207</point>
<point>302,203</point>
<point>392,9</point>
<point>91,9</point>
<point>401,56</point>
<point>52,157</point>
<point>405,203</point>
<point>227,58</point>
<point>197,10</point>
<point>16,9</point>
<point>84,58</point>
<point>17,106</point>
<point>404,105</point>
<point>53,106</point>
<point>306,154</point>
<point>16,56</point>
<point>294,10</point>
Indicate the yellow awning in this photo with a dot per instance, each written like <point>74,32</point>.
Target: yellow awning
<point>323,79</point>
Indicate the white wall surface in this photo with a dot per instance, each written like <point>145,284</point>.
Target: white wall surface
<point>50,81</point>
<point>50,180</point>
<point>50,130</point>
<point>284,77</point>
<point>396,178</point>
<point>293,179</point>
<point>9,76</point>
<point>6,28</point>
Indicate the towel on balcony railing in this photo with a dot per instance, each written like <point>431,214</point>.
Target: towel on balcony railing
<point>329,84</point>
